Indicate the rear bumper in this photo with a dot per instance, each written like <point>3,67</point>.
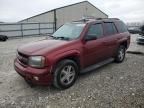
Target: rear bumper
<point>33,75</point>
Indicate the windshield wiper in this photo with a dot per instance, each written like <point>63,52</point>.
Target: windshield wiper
<point>61,37</point>
<point>49,36</point>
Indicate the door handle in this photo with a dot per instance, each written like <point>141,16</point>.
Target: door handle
<point>105,43</point>
<point>118,38</point>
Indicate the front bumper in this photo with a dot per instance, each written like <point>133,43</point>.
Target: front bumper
<point>33,75</point>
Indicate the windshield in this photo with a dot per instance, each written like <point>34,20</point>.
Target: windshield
<point>69,31</point>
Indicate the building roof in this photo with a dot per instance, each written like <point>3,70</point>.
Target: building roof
<point>64,7</point>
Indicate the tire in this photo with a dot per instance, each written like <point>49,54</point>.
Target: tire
<point>4,39</point>
<point>30,83</point>
<point>120,56</point>
<point>65,74</point>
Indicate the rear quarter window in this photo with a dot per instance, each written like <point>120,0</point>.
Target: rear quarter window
<point>121,27</point>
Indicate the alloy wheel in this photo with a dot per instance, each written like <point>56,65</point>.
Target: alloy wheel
<point>121,54</point>
<point>67,74</point>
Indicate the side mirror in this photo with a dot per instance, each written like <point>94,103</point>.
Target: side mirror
<point>90,37</point>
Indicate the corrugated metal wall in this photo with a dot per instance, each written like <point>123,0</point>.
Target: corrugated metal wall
<point>68,13</point>
<point>76,12</point>
<point>71,13</point>
<point>47,17</point>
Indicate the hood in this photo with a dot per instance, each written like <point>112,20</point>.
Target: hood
<point>40,47</point>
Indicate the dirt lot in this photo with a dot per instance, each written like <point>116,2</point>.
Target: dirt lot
<point>112,86</point>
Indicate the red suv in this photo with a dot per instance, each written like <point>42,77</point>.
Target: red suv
<point>76,47</point>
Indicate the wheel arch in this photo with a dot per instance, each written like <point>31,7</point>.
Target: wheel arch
<point>75,56</point>
<point>124,43</point>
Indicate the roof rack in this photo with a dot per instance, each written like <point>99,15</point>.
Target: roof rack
<point>89,18</point>
<point>107,18</point>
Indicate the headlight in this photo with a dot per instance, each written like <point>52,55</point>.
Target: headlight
<point>36,61</point>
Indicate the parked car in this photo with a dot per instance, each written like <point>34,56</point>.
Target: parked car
<point>3,38</point>
<point>140,38</point>
<point>75,48</point>
<point>134,30</point>
<point>142,30</point>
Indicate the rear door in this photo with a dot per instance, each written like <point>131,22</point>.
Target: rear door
<point>110,40</point>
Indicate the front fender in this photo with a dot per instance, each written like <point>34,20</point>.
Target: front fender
<point>60,56</point>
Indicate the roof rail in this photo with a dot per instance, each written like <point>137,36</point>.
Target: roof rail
<point>85,19</point>
<point>108,18</point>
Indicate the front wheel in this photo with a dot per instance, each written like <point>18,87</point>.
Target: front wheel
<point>65,74</point>
<point>120,56</point>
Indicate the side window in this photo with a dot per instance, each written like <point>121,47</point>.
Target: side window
<point>110,28</point>
<point>121,26</point>
<point>95,30</point>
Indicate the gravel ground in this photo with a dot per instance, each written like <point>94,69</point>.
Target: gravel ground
<point>111,86</point>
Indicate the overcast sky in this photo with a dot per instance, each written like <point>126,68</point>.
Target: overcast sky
<point>16,10</point>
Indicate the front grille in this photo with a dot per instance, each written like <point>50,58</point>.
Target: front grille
<point>22,58</point>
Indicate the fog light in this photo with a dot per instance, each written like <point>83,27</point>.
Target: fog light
<point>36,78</point>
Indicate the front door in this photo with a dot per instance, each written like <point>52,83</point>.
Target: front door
<point>93,49</point>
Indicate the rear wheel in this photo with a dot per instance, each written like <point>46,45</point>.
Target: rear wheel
<point>65,74</point>
<point>120,54</point>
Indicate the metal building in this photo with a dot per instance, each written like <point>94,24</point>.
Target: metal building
<point>68,13</point>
